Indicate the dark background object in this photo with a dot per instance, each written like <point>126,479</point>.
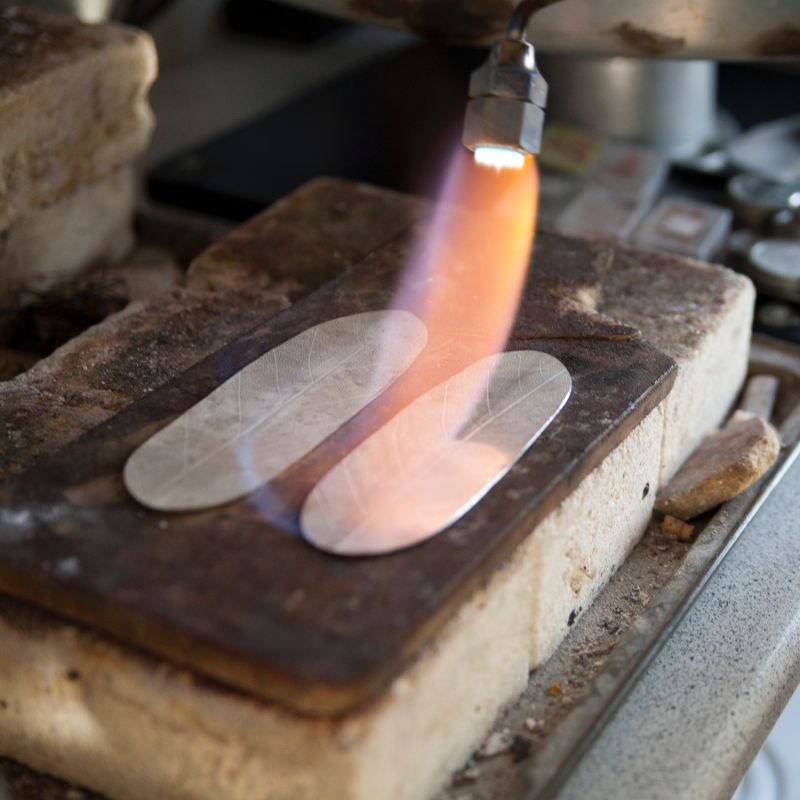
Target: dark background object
<point>142,12</point>
<point>279,23</point>
<point>757,93</point>
<point>391,123</point>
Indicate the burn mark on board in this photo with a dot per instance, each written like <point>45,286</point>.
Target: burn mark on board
<point>548,316</point>
<point>646,42</point>
<point>563,292</point>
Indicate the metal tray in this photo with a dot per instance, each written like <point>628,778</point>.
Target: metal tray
<point>571,698</point>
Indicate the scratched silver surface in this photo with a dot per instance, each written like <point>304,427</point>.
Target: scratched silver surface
<point>433,461</point>
<point>273,412</point>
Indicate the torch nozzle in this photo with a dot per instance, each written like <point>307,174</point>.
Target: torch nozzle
<point>505,113</point>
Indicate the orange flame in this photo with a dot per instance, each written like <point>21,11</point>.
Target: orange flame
<point>464,282</point>
<point>468,271</point>
<point>476,260</point>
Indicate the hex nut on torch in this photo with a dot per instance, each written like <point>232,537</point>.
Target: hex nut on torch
<point>508,96</point>
<point>503,122</point>
<point>510,71</point>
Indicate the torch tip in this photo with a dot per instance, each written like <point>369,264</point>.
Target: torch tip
<point>499,157</point>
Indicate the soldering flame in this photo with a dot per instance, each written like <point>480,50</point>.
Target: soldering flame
<point>467,271</point>
<point>464,281</point>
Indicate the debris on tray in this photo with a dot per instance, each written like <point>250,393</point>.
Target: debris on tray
<point>572,671</point>
<point>532,724</point>
<point>496,743</point>
<point>469,774</point>
<point>610,626</point>
<point>521,749</point>
<point>725,465</point>
<point>638,597</point>
<point>681,530</point>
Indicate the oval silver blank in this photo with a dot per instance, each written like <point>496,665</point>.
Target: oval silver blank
<point>431,463</point>
<point>273,411</point>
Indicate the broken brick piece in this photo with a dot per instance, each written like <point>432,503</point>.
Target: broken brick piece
<point>681,530</point>
<point>722,467</point>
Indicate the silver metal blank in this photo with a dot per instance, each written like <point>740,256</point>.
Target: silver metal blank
<point>273,412</point>
<point>432,462</point>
